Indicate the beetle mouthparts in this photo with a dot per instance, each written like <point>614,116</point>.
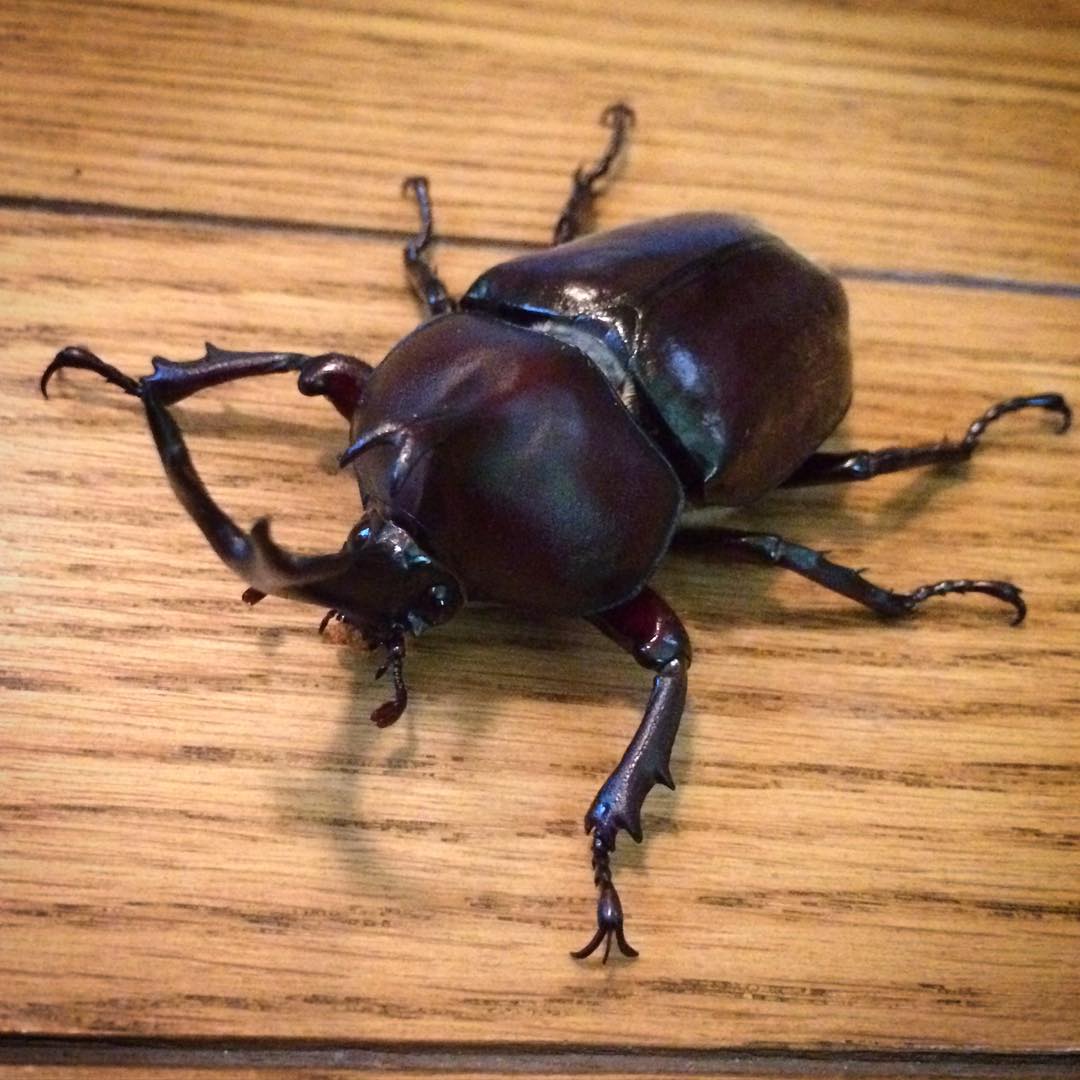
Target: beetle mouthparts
<point>389,711</point>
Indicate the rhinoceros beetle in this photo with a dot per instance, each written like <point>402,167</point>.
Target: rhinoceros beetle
<point>535,443</point>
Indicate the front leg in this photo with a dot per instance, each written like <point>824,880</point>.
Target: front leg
<point>335,376</point>
<point>651,632</point>
<point>253,555</point>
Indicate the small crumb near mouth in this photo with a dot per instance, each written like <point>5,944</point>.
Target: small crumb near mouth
<point>339,632</point>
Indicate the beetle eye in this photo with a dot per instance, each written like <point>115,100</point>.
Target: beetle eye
<point>439,595</point>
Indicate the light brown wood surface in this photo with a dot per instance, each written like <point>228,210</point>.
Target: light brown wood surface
<point>919,136</point>
<point>875,842</point>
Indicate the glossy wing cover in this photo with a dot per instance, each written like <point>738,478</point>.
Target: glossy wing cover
<point>738,344</point>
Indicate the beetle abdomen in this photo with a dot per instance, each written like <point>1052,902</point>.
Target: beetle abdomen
<point>738,344</point>
<point>530,481</point>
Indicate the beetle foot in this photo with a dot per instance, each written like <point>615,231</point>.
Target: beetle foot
<point>583,190</point>
<point>609,920</point>
<point>1000,590</point>
<point>620,118</point>
<point>609,913</point>
<point>76,356</point>
<point>1051,402</point>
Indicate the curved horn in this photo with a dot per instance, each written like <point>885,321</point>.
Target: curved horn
<point>410,438</point>
<point>273,568</point>
<point>390,432</point>
<point>254,556</point>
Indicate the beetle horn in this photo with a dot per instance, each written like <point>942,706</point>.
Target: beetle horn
<point>410,438</point>
<point>396,434</point>
<point>254,556</point>
<point>272,568</point>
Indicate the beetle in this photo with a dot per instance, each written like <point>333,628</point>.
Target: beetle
<point>536,443</point>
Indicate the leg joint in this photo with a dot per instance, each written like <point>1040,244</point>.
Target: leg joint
<point>771,547</point>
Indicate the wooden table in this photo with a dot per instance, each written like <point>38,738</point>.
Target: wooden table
<point>209,858</point>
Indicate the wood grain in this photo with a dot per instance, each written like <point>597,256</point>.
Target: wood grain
<point>82,1072</point>
<point>875,841</point>
<point>921,137</point>
<point>874,849</point>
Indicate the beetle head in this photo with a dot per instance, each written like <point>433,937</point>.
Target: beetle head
<point>381,581</point>
<point>393,586</point>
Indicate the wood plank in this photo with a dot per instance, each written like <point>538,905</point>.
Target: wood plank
<point>932,137</point>
<point>875,839</point>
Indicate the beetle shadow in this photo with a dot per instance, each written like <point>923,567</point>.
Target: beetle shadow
<point>250,428</point>
<point>465,661</point>
<point>563,654</point>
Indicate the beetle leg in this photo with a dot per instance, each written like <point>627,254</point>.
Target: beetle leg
<point>832,468</point>
<point>336,376</point>
<point>253,555</point>
<point>651,632</point>
<point>813,565</point>
<point>425,281</point>
<point>583,194</point>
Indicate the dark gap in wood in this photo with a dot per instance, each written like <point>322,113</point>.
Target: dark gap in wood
<point>947,279</point>
<point>88,208</point>
<point>166,215</point>
<point>527,1058</point>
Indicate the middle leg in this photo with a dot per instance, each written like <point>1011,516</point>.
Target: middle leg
<point>426,283</point>
<point>814,566</point>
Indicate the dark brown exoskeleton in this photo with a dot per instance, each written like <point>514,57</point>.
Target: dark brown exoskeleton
<point>535,444</point>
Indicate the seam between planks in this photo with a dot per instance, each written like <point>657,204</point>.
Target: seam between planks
<point>527,1058</point>
<point>165,215</point>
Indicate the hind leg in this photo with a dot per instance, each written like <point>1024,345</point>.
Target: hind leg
<point>426,283</point>
<point>578,210</point>
<point>835,468</point>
